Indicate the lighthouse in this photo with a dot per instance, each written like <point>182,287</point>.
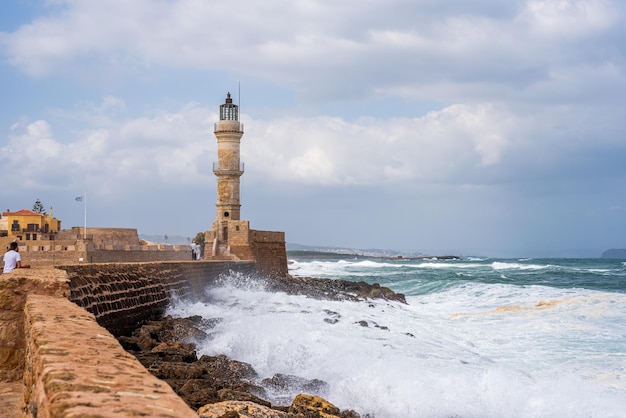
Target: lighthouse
<point>231,237</point>
<point>228,167</point>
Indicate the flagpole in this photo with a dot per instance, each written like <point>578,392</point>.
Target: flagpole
<point>85,210</point>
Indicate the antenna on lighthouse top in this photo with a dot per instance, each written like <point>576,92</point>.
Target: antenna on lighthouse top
<point>239,96</point>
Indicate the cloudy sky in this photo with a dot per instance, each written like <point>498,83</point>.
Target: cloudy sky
<point>473,127</point>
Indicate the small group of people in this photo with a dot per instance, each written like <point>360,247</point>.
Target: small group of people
<point>12,259</point>
<point>196,251</point>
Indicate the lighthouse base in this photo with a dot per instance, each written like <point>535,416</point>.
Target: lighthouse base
<point>234,240</point>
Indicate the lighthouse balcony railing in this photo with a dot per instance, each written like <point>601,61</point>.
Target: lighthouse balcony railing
<point>238,129</point>
<point>218,170</point>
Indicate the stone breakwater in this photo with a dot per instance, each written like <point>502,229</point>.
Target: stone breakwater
<point>58,329</point>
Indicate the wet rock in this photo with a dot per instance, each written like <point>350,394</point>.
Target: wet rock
<point>176,351</point>
<point>235,395</point>
<point>224,368</point>
<point>239,409</point>
<point>178,371</point>
<point>289,383</point>
<point>198,392</point>
<point>308,406</point>
<point>332,289</point>
<point>153,333</point>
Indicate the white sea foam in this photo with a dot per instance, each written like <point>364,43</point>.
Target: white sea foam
<point>498,265</point>
<point>472,350</point>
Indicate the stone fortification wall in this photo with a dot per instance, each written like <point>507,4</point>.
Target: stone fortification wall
<point>57,253</point>
<point>124,295</point>
<point>269,252</point>
<point>144,253</point>
<point>52,253</point>
<point>103,245</point>
<point>101,237</point>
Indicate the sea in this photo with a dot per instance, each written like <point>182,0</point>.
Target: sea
<point>478,337</point>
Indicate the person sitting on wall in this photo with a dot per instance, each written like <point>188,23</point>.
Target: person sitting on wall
<point>12,259</point>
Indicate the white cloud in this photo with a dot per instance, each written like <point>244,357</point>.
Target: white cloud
<point>568,19</point>
<point>325,49</point>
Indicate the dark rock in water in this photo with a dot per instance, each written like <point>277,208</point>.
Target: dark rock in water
<point>332,289</point>
<point>614,253</point>
<point>224,368</point>
<point>169,329</point>
<point>362,323</point>
<point>289,383</point>
<point>333,316</point>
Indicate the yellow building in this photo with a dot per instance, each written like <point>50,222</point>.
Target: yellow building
<point>26,225</point>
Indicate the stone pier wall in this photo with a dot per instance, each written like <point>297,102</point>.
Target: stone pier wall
<point>76,368</point>
<point>124,295</point>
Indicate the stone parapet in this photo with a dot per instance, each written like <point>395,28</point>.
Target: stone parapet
<point>14,288</point>
<point>76,368</point>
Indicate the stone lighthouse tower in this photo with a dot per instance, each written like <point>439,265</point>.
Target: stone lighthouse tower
<point>231,237</point>
<point>228,167</point>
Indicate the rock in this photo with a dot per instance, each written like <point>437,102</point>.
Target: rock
<point>168,329</point>
<point>179,371</point>
<point>164,348</point>
<point>176,351</point>
<point>224,368</point>
<point>239,409</point>
<point>332,289</point>
<point>235,395</point>
<point>198,392</point>
<point>289,383</point>
<point>309,406</point>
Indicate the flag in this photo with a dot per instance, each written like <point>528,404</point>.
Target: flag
<point>79,199</point>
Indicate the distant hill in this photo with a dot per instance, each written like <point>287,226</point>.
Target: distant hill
<point>322,254</point>
<point>614,253</point>
<point>302,250</point>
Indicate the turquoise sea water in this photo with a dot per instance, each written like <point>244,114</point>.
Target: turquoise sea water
<point>478,337</point>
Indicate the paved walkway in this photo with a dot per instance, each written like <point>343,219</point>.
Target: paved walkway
<point>11,399</point>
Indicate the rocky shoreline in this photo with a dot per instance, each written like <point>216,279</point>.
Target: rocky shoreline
<point>220,387</point>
